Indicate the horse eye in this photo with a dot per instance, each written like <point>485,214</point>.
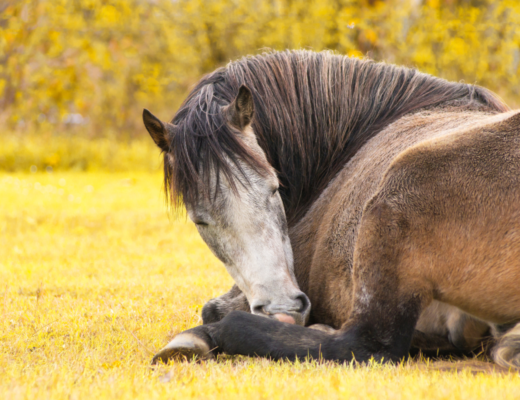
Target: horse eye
<point>274,192</point>
<point>201,223</point>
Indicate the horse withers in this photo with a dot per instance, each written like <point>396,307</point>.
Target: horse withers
<point>389,197</point>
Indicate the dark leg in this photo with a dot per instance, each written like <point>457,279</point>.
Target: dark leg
<point>216,309</point>
<point>248,334</point>
<point>243,333</point>
<point>251,335</point>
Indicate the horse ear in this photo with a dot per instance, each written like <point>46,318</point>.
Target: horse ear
<point>157,130</point>
<point>242,109</point>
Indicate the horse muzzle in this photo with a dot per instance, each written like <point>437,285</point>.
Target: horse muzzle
<point>295,311</point>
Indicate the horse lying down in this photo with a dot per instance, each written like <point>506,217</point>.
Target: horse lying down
<point>386,198</point>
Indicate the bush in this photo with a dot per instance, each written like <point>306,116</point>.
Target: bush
<point>95,65</point>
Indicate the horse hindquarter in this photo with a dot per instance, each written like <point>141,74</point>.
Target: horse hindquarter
<point>444,225</point>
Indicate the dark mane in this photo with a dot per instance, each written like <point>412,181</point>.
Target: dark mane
<point>313,111</point>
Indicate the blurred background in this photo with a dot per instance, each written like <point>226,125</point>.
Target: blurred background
<point>75,75</point>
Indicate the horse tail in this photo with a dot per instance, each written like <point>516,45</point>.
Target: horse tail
<point>506,351</point>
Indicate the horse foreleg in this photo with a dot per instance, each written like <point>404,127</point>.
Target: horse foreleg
<point>217,308</point>
<point>241,333</point>
<point>247,334</point>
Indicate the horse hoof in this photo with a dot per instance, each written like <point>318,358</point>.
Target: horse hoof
<point>184,347</point>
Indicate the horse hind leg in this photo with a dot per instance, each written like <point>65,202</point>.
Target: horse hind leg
<point>506,351</point>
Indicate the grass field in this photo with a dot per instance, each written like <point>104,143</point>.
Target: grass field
<point>94,277</point>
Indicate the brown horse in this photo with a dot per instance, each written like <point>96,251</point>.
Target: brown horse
<point>384,197</point>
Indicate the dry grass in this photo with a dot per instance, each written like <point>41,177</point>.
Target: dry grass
<point>94,278</point>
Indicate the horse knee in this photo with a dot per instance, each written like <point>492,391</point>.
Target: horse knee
<point>211,312</point>
<point>217,308</point>
<point>506,351</point>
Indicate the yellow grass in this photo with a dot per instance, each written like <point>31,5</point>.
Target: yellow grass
<point>43,150</point>
<point>94,278</point>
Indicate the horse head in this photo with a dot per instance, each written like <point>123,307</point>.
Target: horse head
<point>214,165</point>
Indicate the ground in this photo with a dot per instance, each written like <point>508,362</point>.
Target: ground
<point>95,277</point>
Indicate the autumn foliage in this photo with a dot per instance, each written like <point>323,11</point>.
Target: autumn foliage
<point>91,66</point>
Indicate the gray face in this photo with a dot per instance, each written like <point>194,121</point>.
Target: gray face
<point>247,231</point>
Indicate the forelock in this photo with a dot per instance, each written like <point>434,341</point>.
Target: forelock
<point>203,145</point>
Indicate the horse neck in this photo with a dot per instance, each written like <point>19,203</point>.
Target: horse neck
<point>314,111</point>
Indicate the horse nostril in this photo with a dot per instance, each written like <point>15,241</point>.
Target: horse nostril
<point>305,303</point>
<point>259,308</point>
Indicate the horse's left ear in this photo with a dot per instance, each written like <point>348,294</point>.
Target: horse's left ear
<point>241,111</point>
<point>157,130</point>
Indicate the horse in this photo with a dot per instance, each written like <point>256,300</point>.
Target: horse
<point>384,197</point>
